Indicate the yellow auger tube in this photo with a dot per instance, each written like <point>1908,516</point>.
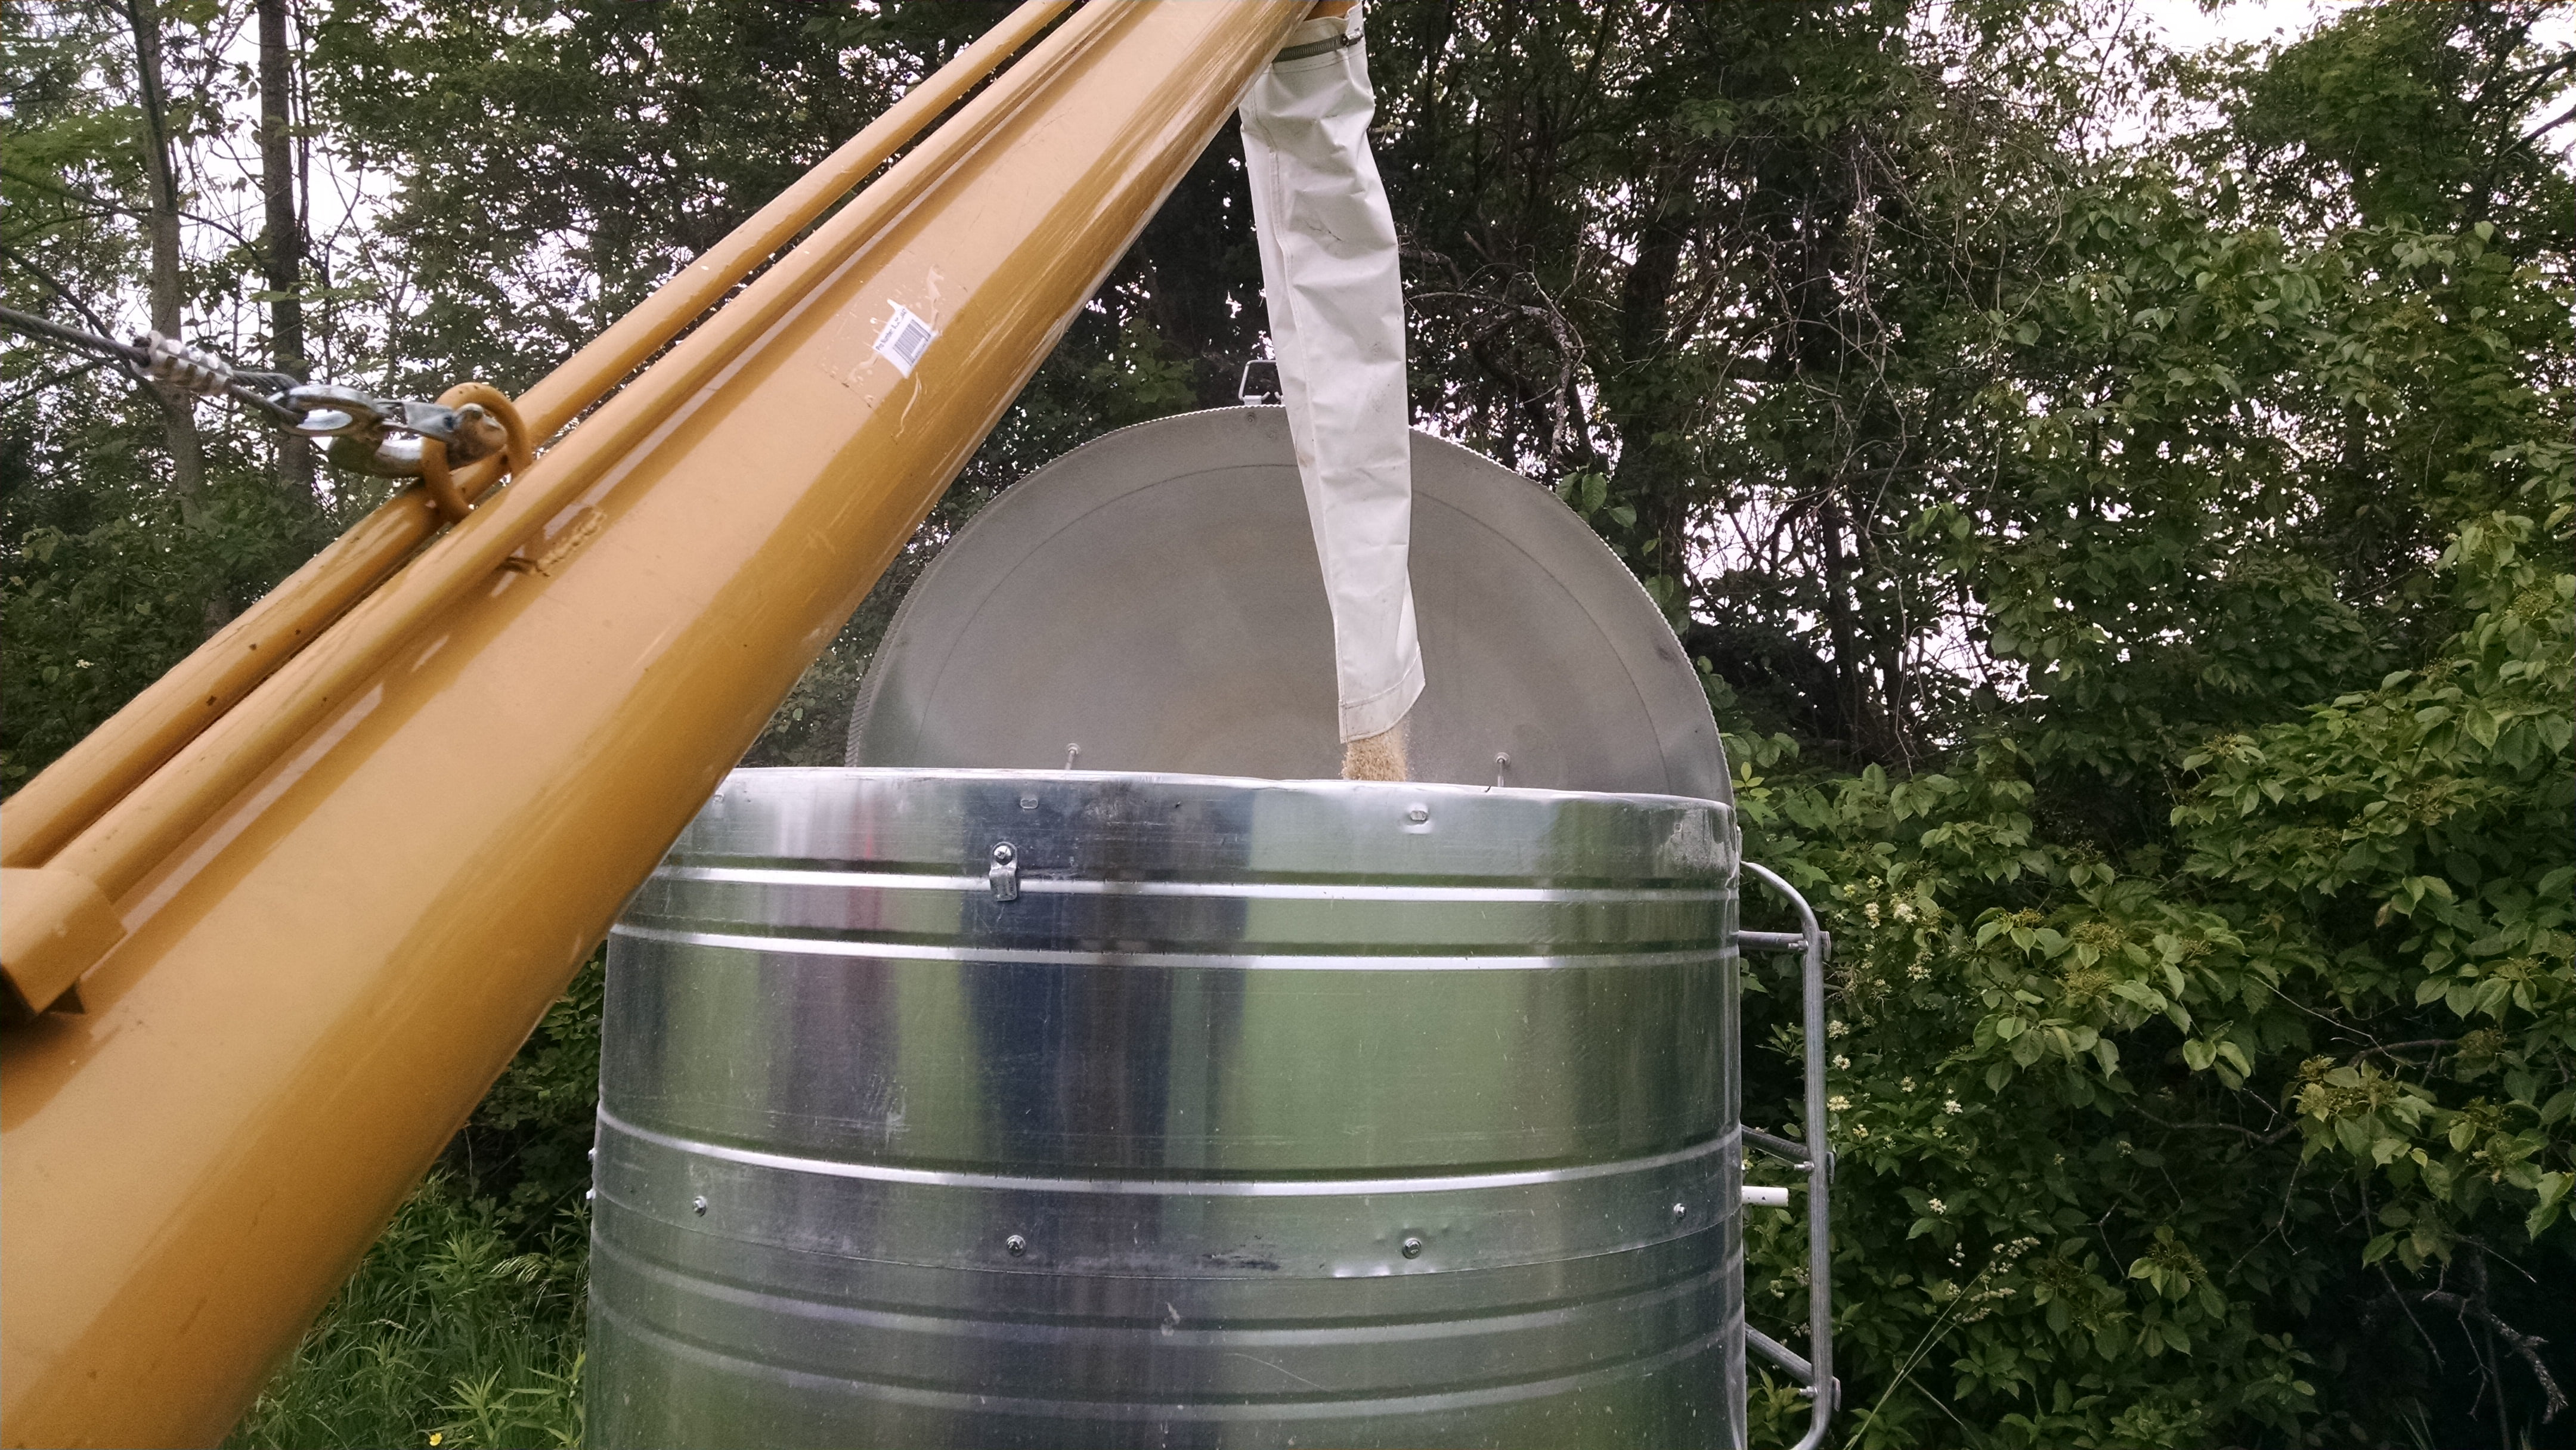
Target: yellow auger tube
<point>94,774</point>
<point>116,806</point>
<point>319,982</point>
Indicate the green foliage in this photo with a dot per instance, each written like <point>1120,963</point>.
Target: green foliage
<point>2423,829</point>
<point>448,1334</point>
<point>526,1150</point>
<point>2016,1262</point>
<point>2113,1128</point>
<point>2416,114</point>
<point>101,599</point>
<point>2209,983</point>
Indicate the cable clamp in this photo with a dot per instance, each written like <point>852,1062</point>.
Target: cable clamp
<point>406,438</point>
<point>174,364</point>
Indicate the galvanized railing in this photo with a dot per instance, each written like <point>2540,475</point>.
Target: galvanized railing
<point>1816,1157</point>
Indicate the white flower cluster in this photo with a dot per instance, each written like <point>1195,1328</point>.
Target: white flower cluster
<point>2005,1257</point>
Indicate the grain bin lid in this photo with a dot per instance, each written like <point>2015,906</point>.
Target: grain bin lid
<point>1151,602</point>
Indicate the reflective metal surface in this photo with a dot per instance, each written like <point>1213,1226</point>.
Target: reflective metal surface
<point>1221,1112</point>
<point>1153,598</point>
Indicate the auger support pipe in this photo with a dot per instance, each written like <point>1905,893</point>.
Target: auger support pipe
<point>545,513</point>
<point>133,833</point>
<point>320,981</point>
<point>605,360</point>
<point>112,760</point>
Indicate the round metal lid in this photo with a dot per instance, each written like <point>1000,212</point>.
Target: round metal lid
<point>1151,602</point>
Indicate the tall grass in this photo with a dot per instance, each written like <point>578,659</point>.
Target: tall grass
<point>448,1335</point>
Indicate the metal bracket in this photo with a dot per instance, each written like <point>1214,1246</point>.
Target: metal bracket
<point>1004,874</point>
<point>1260,383</point>
<point>1787,1358</point>
<point>1814,948</point>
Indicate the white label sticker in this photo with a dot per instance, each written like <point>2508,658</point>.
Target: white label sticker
<point>905,338</point>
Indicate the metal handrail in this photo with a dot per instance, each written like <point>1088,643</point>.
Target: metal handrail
<point>1816,1156</point>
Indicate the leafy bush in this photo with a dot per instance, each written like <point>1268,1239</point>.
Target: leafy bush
<point>2128,1139</point>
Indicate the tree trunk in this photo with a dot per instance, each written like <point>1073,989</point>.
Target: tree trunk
<point>282,243</point>
<point>161,224</point>
<point>1654,468</point>
<point>1893,734</point>
<point>161,219</point>
<point>1851,687</point>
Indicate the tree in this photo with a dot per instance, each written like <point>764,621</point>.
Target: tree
<point>282,238</point>
<point>126,531</point>
<point>161,222</point>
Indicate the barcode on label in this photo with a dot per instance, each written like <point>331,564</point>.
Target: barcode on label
<point>905,338</point>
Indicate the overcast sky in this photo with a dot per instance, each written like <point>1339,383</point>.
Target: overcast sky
<point>2186,25</point>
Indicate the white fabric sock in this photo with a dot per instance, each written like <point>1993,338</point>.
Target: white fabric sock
<point>1336,300</point>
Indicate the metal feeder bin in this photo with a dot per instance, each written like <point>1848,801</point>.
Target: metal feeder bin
<point>1037,1107</point>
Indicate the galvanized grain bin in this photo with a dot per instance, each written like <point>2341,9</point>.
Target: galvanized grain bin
<point>984,1108</point>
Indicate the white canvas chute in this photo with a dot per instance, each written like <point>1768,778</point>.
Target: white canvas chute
<point>1328,268</point>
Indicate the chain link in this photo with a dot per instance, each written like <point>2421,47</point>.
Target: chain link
<point>387,437</point>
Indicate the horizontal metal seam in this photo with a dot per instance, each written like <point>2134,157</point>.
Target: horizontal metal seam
<point>1222,890</point>
<point>1196,1187</point>
<point>1282,1408</point>
<point>1228,961</point>
<point>1383,1328</point>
